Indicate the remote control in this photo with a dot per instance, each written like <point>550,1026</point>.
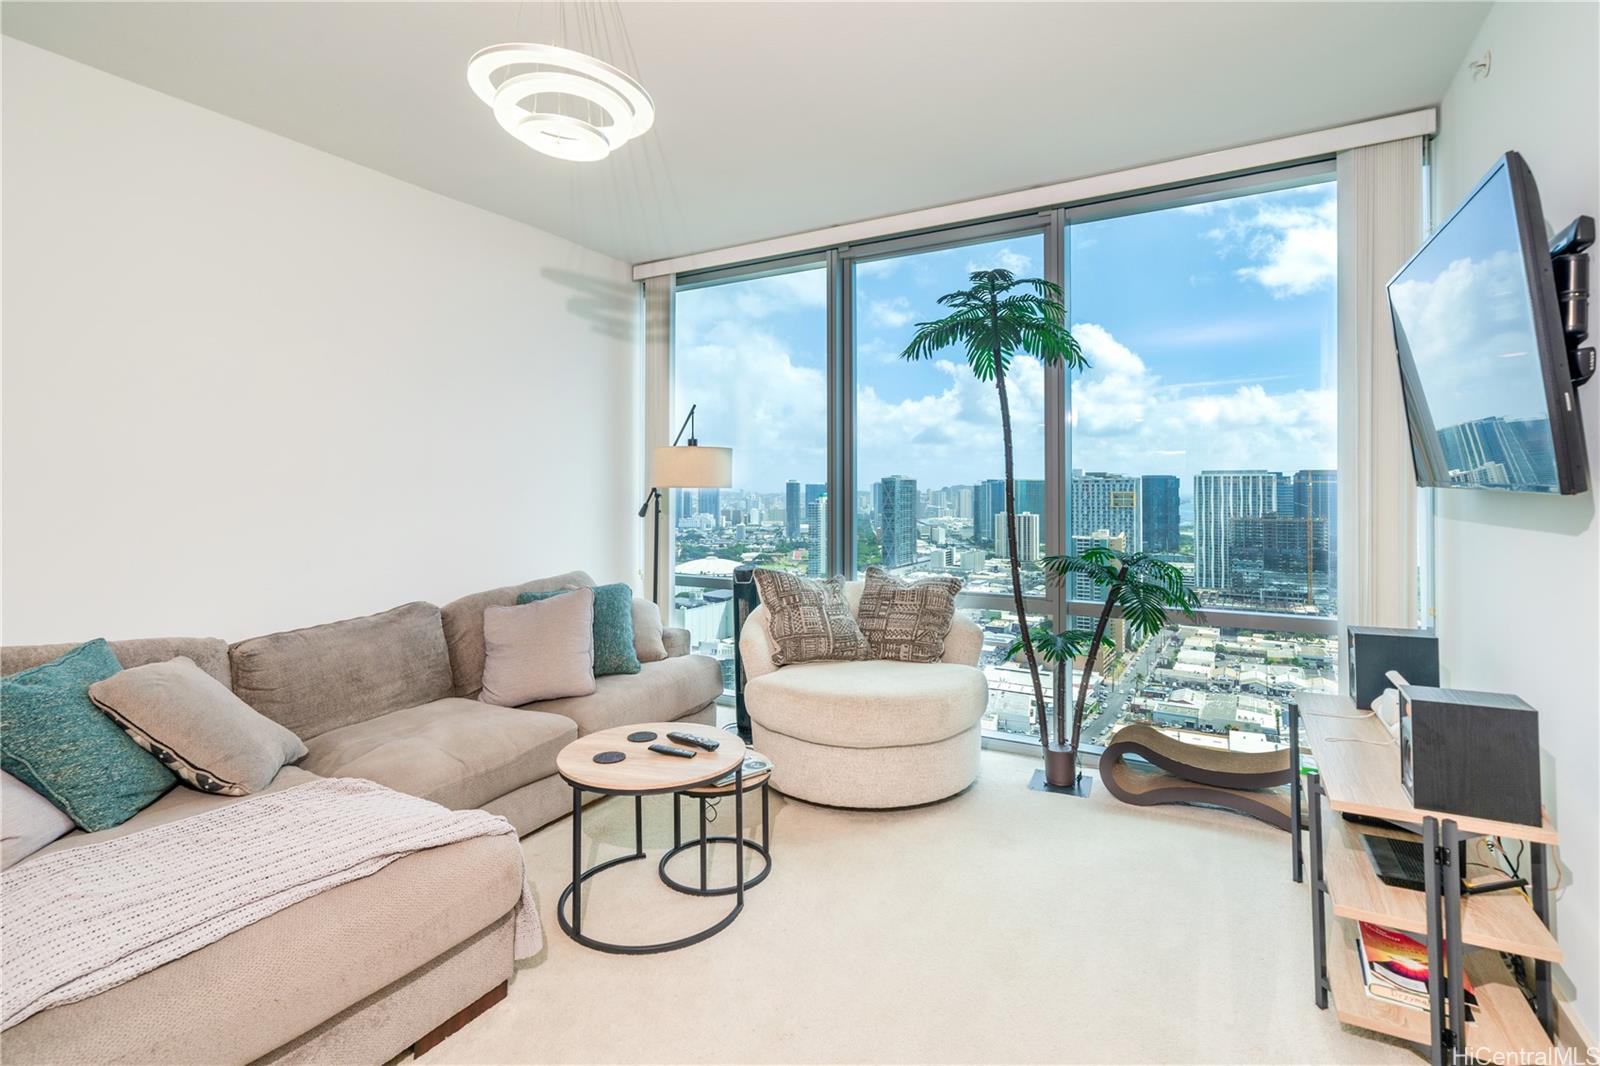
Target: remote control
<point>704,743</point>
<point>668,749</point>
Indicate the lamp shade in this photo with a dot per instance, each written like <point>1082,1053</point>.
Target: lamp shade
<point>692,467</point>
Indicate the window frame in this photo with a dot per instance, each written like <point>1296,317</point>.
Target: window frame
<point>1054,225</point>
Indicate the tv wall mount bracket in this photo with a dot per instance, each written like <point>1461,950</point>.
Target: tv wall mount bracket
<point>1569,256</point>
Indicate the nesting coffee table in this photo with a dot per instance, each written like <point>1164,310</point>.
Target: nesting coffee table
<point>640,773</point>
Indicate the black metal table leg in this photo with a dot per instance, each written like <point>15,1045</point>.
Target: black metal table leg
<point>1296,856</point>
<point>702,844</point>
<point>573,926</point>
<point>705,840</point>
<point>677,819</point>
<point>1454,956</point>
<point>577,861</point>
<point>1436,990</point>
<point>1319,917</point>
<point>738,830</point>
<point>1544,1002</point>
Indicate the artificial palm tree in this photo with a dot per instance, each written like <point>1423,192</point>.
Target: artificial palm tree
<point>1059,650</point>
<point>1143,587</point>
<point>999,317</point>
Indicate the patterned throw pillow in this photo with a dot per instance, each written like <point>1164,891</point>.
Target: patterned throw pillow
<point>907,621</point>
<point>810,619</point>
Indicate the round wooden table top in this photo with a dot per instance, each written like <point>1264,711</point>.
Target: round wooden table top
<point>645,771</point>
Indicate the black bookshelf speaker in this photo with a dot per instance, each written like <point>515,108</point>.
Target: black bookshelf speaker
<point>1371,652</point>
<point>1470,753</point>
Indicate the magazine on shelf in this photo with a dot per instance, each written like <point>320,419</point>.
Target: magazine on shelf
<point>1394,968</point>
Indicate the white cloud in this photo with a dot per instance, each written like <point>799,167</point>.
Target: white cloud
<point>1004,259</point>
<point>1293,247</point>
<point>891,314</point>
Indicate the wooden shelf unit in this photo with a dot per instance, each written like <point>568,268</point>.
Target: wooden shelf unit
<point>1358,772</point>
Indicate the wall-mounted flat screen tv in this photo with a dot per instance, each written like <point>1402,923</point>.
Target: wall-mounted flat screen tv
<point>1483,362</point>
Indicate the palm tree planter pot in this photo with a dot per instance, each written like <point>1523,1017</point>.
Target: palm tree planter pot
<point>1061,774</point>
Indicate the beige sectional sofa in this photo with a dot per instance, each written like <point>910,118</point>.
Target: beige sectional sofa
<point>362,971</point>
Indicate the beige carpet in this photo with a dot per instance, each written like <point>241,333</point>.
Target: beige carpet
<point>1004,925</point>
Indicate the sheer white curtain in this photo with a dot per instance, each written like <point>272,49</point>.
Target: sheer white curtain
<point>657,430</point>
<point>1380,226</point>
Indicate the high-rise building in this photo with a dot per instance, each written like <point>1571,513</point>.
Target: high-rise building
<point>988,500</point>
<point>1030,496</point>
<point>1285,495</point>
<point>1158,513</point>
<point>1082,587</point>
<point>813,493</point>
<point>963,501</point>
<point>1108,502</point>
<point>898,520</point>
<point>1031,547</point>
<point>1220,496</point>
<point>1316,496</point>
<point>817,537</point>
<point>710,503</point>
<point>792,510</point>
<point>1279,561</point>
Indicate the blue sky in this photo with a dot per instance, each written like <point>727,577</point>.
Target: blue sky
<point>1210,331</point>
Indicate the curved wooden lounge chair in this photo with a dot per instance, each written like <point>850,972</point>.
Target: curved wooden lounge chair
<point>1253,783</point>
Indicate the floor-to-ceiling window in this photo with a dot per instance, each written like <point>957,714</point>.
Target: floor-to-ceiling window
<point>750,353</point>
<point>1203,433</point>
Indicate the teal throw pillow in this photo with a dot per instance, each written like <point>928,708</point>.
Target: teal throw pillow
<point>613,628</point>
<point>58,743</point>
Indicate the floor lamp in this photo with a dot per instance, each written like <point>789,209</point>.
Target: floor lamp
<point>682,466</point>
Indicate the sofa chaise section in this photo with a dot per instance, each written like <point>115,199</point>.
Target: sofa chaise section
<point>317,981</point>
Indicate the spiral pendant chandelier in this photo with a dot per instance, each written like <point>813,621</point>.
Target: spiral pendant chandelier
<point>560,101</point>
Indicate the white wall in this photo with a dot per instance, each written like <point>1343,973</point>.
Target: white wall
<point>250,386</point>
<point>1518,577</point>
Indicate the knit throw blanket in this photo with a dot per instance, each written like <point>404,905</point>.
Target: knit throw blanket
<point>83,920</point>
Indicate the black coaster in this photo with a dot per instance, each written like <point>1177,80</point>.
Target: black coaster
<point>644,736</point>
<point>610,756</point>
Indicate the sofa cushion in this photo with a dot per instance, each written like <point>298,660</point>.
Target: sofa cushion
<point>55,741</point>
<point>264,985</point>
<point>647,643</point>
<point>208,653</point>
<point>613,626</point>
<point>463,625</point>
<point>324,677</point>
<point>456,752</point>
<point>28,821</point>
<point>197,727</point>
<point>540,650</point>
<point>660,692</point>
<point>876,704</point>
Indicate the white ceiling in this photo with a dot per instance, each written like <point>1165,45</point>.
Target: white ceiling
<point>777,117</point>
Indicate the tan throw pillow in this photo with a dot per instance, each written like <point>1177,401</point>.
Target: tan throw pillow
<point>542,650</point>
<point>907,620</point>
<point>210,738</point>
<point>648,646</point>
<point>810,619</point>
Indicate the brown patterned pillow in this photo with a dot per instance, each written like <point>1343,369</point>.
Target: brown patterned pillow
<point>907,620</point>
<point>810,619</point>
